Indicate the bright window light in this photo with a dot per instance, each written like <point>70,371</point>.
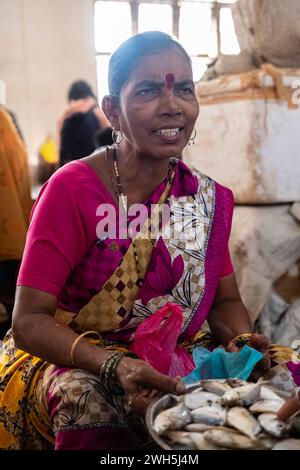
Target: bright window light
<point>199,67</point>
<point>102,76</point>
<point>229,42</point>
<point>112,25</point>
<point>195,27</point>
<point>155,17</point>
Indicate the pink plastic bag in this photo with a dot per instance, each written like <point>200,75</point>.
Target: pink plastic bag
<point>156,340</point>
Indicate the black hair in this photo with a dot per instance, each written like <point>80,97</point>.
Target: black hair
<point>131,52</point>
<point>79,90</point>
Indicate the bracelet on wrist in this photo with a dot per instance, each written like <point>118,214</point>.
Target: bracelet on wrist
<point>241,340</point>
<point>108,371</point>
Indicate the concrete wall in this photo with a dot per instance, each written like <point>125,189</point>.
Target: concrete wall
<point>44,46</point>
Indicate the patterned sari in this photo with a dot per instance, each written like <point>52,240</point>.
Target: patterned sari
<point>45,406</point>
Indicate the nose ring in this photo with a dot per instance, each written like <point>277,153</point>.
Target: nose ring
<point>179,107</point>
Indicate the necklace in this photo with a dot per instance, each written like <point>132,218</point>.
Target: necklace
<point>119,193</point>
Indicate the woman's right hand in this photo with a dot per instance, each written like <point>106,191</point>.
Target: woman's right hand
<point>141,382</point>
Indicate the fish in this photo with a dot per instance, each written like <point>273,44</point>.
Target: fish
<point>266,406</point>
<point>267,441</point>
<point>267,394</point>
<point>215,386</point>
<point>240,419</point>
<point>212,415</point>
<point>191,440</point>
<point>201,427</point>
<point>272,425</point>
<point>241,396</point>
<point>173,418</point>
<point>233,383</point>
<point>287,444</point>
<point>196,400</point>
<point>231,440</point>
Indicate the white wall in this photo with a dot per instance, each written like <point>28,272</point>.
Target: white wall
<point>44,46</point>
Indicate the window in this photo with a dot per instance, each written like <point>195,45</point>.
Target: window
<point>204,27</point>
<point>153,16</point>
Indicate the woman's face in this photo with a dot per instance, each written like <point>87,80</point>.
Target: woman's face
<point>158,107</point>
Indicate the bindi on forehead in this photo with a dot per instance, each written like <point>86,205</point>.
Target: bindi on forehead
<point>170,79</point>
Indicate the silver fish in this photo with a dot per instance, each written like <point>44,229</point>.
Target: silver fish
<point>173,418</point>
<point>267,441</point>
<point>233,383</point>
<point>240,418</point>
<point>201,427</point>
<point>196,400</point>
<point>241,396</point>
<point>215,386</point>
<point>212,415</point>
<point>266,406</point>
<point>288,444</point>
<point>267,394</point>
<point>191,440</point>
<point>272,425</point>
<point>231,440</point>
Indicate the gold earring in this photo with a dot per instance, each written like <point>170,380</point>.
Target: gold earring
<point>192,139</point>
<point>115,136</point>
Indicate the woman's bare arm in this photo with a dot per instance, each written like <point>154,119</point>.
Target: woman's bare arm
<point>228,317</point>
<point>36,331</point>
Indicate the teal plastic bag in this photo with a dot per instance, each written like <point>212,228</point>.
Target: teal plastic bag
<point>219,364</point>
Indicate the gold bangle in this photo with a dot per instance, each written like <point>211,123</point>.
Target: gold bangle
<point>76,341</point>
<point>242,339</point>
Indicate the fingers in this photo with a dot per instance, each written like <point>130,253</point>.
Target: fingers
<point>135,375</point>
<point>290,407</point>
<point>140,401</point>
<point>258,341</point>
<point>163,383</point>
<point>231,347</point>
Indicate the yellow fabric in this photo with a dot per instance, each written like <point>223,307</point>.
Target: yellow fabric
<point>48,151</point>
<point>19,371</point>
<point>15,200</point>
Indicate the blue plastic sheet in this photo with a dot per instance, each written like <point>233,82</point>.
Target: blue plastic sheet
<point>219,364</point>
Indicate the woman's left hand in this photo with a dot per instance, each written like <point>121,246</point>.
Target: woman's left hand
<point>260,343</point>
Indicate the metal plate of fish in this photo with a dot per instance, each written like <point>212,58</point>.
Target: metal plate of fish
<point>219,414</point>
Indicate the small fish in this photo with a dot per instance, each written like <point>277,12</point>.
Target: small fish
<point>266,406</point>
<point>267,441</point>
<point>288,444</point>
<point>267,394</point>
<point>196,400</point>
<point>272,425</point>
<point>214,386</point>
<point>173,418</point>
<point>212,415</point>
<point>240,419</point>
<point>191,440</point>
<point>241,396</point>
<point>231,440</point>
<point>201,427</point>
<point>233,383</point>
<point>197,390</point>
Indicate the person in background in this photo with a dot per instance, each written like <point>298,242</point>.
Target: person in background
<point>15,207</point>
<point>79,127</point>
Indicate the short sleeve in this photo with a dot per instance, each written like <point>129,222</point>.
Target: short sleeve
<point>57,238</point>
<point>226,267</point>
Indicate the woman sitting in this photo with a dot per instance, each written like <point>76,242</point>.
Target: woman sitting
<point>58,388</point>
